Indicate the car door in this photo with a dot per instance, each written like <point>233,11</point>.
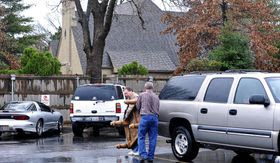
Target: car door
<point>47,116</point>
<point>212,116</point>
<point>250,124</point>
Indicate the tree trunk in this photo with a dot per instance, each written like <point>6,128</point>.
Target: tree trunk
<point>94,62</point>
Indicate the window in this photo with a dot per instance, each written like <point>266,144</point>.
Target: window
<point>44,107</point>
<point>218,90</point>
<point>32,107</point>
<point>120,92</point>
<point>95,92</point>
<point>182,88</point>
<point>274,85</point>
<point>248,87</point>
<point>16,106</point>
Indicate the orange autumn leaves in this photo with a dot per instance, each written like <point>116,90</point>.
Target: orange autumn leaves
<point>198,30</point>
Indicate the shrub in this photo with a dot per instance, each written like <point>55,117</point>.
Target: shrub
<point>39,63</point>
<point>204,65</point>
<point>3,65</point>
<point>133,68</point>
<point>8,71</point>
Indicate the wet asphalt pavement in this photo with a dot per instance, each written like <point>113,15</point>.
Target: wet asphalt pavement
<point>66,148</point>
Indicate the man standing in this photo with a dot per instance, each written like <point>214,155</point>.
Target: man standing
<point>148,105</point>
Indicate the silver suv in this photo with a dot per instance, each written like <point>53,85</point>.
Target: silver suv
<point>234,110</point>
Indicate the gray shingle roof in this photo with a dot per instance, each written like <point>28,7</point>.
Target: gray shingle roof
<point>156,61</point>
<point>54,47</point>
<point>127,36</point>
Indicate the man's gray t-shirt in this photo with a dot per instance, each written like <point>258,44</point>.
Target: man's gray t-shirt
<point>148,103</point>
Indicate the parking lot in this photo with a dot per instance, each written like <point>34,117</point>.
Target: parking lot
<point>90,149</point>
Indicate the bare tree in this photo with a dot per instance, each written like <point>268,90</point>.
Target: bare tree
<point>43,42</point>
<point>102,13</point>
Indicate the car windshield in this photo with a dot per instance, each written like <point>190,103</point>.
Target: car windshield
<point>95,93</point>
<point>16,106</point>
<point>274,85</point>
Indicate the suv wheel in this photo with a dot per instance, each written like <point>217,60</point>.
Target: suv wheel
<point>242,152</point>
<point>183,145</point>
<point>77,129</point>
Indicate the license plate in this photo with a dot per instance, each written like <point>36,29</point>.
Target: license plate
<point>101,118</point>
<point>4,128</point>
<point>94,118</point>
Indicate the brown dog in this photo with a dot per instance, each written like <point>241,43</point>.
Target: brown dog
<point>130,124</point>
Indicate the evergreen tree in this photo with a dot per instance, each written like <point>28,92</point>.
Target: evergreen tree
<point>18,28</point>
<point>57,34</point>
<point>234,51</point>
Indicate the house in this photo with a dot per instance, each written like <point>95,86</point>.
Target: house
<point>127,41</point>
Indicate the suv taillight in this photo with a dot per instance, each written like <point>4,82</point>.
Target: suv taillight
<point>21,117</point>
<point>118,108</point>
<point>71,108</point>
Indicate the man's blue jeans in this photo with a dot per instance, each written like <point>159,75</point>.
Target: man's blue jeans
<point>148,124</point>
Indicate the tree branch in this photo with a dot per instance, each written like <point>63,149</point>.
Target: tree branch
<point>89,8</point>
<point>108,18</point>
<point>139,14</point>
<point>83,20</point>
<point>79,10</point>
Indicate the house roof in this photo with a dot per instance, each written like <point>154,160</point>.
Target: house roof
<point>54,47</point>
<point>128,36</point>
<point>156,61</point>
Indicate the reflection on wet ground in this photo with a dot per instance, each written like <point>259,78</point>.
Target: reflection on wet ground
<point>89,149</point>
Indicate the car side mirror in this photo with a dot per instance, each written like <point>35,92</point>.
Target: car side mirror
<point>259,99</point>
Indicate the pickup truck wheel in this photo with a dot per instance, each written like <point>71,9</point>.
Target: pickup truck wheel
<point>77,129</point>
<point>183,145</point>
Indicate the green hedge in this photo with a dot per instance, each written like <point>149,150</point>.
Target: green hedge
<point>133,68</point>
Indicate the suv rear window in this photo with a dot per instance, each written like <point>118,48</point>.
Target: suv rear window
<point>95,92</point>
<point>182,88</point>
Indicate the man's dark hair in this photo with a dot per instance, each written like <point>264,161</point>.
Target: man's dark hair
<point>129,89</point>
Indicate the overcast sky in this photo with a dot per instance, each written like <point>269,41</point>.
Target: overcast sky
<point>43,10</point>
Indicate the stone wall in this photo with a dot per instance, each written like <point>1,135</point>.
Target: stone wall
<point>61,88</point>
